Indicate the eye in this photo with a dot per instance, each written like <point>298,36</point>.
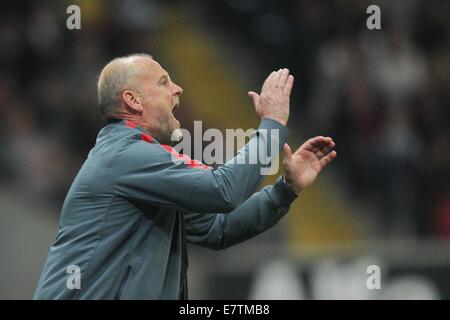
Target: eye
<point>164,81</point>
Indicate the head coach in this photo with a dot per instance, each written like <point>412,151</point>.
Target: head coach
<point>132,209</point>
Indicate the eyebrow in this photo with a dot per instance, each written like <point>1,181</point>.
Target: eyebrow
<point>163,77</point>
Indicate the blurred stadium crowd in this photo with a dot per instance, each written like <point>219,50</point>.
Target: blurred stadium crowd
<point>383,95</point>
<point>48,86</point>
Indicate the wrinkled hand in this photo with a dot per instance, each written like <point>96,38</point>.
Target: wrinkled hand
<point>273,102</point>
<point>302,167</point>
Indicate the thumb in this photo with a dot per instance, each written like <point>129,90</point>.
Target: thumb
<point>287,152</point>
<point>254,96</point>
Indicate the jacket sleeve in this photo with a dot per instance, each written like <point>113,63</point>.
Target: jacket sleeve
<point>149,172</point>
<point>260,212</point>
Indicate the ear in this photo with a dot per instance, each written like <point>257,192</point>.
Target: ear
<point>132,101</point>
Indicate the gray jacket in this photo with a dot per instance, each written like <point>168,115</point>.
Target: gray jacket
<point>132,208</point>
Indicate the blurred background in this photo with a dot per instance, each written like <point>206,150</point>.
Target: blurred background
<point>383,95</point>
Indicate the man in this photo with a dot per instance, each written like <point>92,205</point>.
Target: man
<point>132,208</point>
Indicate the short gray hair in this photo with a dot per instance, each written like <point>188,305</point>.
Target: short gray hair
<point>113,79</point>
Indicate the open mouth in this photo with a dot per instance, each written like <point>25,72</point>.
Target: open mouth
<point>175,107</point>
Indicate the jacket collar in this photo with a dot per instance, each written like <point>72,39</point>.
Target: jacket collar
<point>145,135</point>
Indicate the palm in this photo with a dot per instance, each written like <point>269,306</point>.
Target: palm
<point>302,167</point>
<point>308,165</point>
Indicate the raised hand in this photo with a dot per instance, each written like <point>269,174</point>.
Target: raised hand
<point>273,102</point>
<point>302,167</point>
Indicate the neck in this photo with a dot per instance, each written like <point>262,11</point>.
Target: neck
<point>130,117</point>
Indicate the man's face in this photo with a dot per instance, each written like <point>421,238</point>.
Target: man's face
<point>160,98</point>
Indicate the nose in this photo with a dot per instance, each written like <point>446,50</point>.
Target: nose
<point>177,90</point>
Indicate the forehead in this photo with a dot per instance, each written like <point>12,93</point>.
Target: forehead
<point>150,68</point>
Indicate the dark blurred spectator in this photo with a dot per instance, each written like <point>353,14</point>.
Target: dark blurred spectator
<point>384,96</point>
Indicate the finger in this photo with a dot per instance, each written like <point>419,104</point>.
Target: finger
<point>322,142</point>
<point>283,78</point>
<point>287,152</point>
<point>329,145</point>
<point>277,75</point>
<point>328,158</point>
<point>314,144</point>
<point>289,84</point>
<point>317,143</point>
<point>268,80</point>
<point>274,83</point>
<point>325,150</point>
<point>271,80</point>
<point>320,154</point>
<point>321,148</point>
<point>254,96</point>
